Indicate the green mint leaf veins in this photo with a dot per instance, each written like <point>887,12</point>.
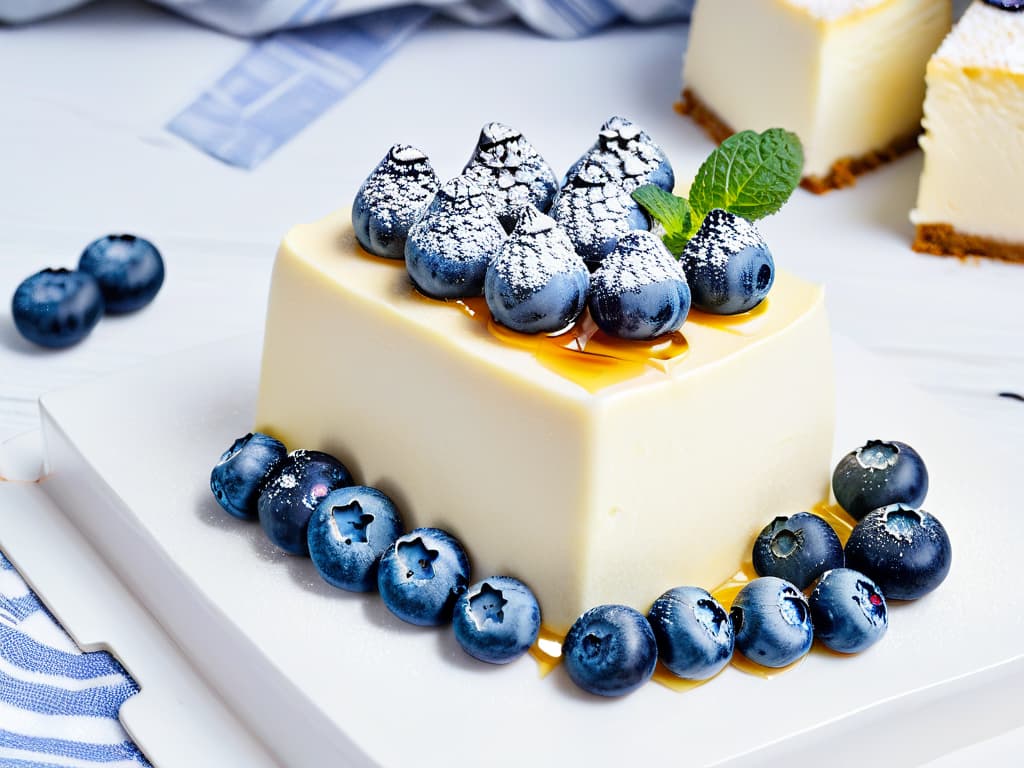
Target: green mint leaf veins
<point>751,174</point>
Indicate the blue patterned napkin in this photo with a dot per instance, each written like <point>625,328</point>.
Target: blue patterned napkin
<point>58,706</point>
<point>320,50</point>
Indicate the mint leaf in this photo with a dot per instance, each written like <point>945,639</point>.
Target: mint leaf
<point>750,174</point>
<point>673,213</point>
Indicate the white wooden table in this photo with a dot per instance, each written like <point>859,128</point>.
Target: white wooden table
<point>82,153</point>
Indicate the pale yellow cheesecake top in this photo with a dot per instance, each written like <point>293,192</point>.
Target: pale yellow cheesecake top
<point>985,38</point>
<point>834,10</point>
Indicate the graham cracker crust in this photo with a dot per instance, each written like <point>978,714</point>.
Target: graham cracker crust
<point>844,171</point>
<point>945,240</point>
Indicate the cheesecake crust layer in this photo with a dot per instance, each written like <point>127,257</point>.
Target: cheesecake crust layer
<point>946,240</point>
<point>844,171</point>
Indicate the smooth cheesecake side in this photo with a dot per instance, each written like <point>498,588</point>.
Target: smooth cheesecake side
<point>968,200</point>
<point>847,76</point>
<point>591,496</point>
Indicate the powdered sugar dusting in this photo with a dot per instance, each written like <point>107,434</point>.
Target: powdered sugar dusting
<point>640,259</point>
<point>537,251</point>
<point>398,189</point>
<point>986,37</point>
<point>720,237</point>
<point>830,10</point>
<point>459,222</point>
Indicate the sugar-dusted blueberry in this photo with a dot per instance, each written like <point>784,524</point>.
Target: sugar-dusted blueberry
<point>772,621</point>
<point>848,611</point>
<point>300,482</point>
<point>129,270</point>
<point>57,308</point>
<point>906,551</point>
<point>640,291</point>
<point>496,620</point>
<point>629,154</point>
<point>595,209</point>
<point>798,548</point>
<point>610,650</point>
<point>728,264</point>
<point>391,199</point>
<point>878,474</point>
<point>537,283</point>
<point>422,575</point>
<point>450,246</point>
<point>242,472</point>
<point>349,531</point>
<point>694,633</point>
<point>512,173</point>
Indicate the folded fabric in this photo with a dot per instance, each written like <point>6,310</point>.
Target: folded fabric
<point>58,706</point>
<point>560,18</point>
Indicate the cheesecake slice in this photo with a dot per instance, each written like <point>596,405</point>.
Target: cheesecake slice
<point>596,470</point>
<point>968,203</point>
<point>847,76</point>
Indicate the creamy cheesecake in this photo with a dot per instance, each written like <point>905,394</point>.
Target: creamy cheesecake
<point>969,200</point>
<point>596,470</point>
<point>847,76</point>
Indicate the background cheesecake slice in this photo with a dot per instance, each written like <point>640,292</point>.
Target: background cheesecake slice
<point>847,76</point>
<point>969,201</point>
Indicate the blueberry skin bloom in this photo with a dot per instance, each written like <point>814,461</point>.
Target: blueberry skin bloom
<point>610,650</point>
<point>349,531</point>
<point>496,620</point>
<point>450,246</point>
<point>391,199</point>
<point>421,576</point>
<point>878,474</point>
<point>848,610</point>
<point>243,470</point>
<point>640,291</point>
<point>772,621</point>
<point>798,549</point>
<point>57,308</point>
<point>728,264</point>
<point>906,551</point>
<point>536,283</point>
<point>129,270</point>
<point>694,633</point>
<point>301,481</point>
<point>629,152</point>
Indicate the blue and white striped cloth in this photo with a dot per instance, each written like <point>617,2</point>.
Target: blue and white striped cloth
<point>58,706</point>
<point>317,51</point>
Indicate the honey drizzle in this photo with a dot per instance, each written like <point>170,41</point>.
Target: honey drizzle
<point>547,650</point>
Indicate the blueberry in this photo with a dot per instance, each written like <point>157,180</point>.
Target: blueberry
<point>1007,5</point>
<point>906,551</point>
<point>348,533</point>
<point>129,270</point>
<point>301,481</point>
<point>878,474</point>
<point>497,620</point>
<point>630,154</point>
<point>536,283</point>
<point>728,264</point>
<point>694,633</point>
<point>640,291</point>
<point>595,209</point>
<point>242,472</point>
<point>610,650</point>
<point>421,576</point>
<point>798,549</point>
<point>450,246</point>
<point>848,611</point>
<point>57,308</point>
<point>391,199</point>
<point>772,621</point>
<point>512,173</point>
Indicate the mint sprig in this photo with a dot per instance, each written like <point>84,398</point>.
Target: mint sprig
<point>751,175</point>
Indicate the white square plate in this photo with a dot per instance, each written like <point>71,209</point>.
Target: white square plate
<point>325,677</point>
